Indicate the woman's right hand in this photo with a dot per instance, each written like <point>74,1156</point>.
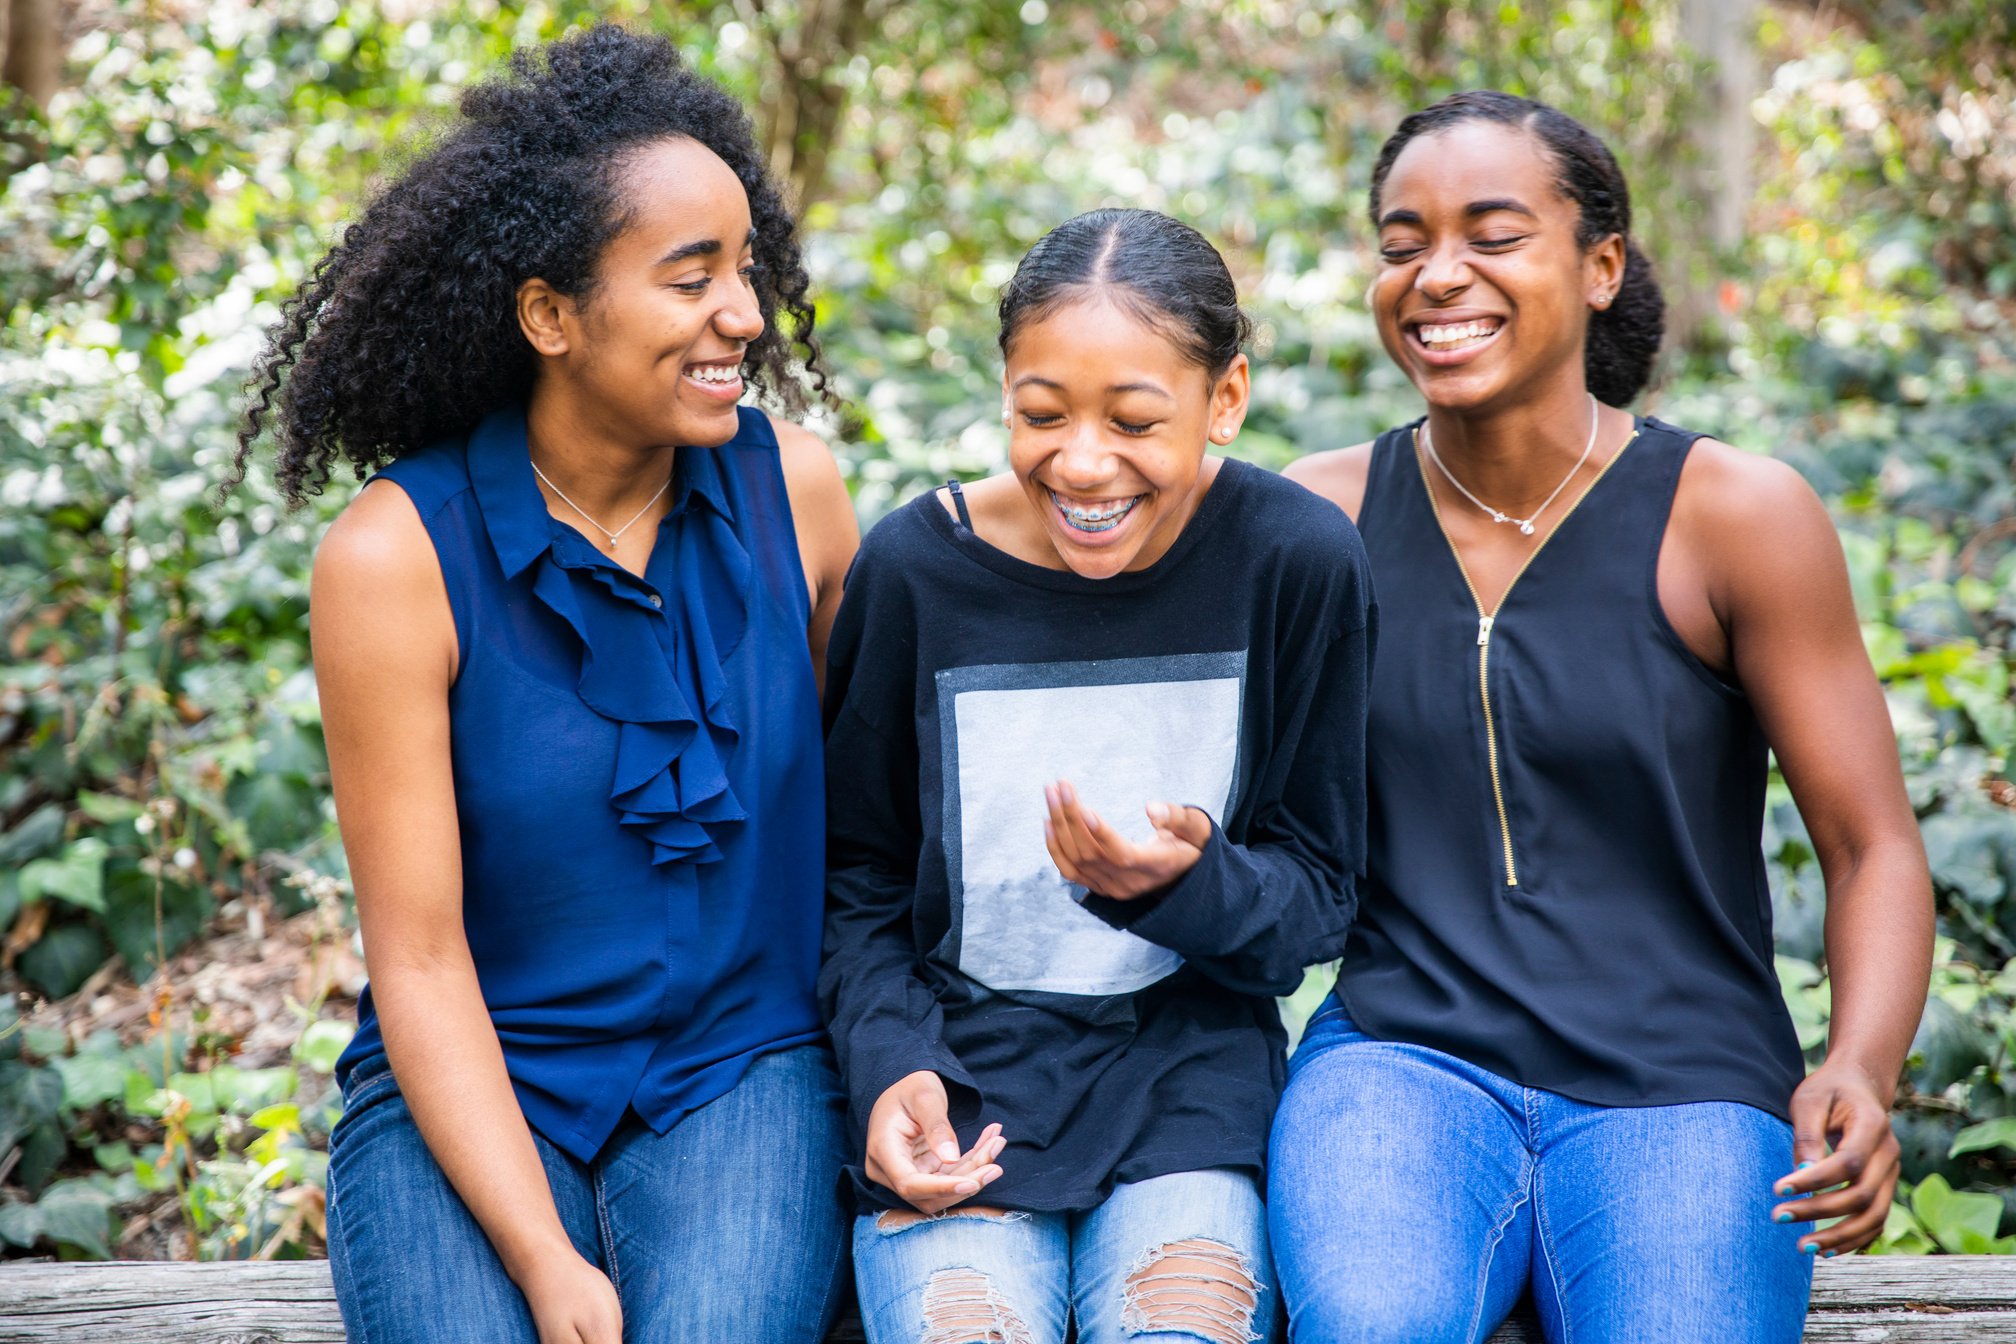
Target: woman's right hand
<point>573,1302</point>
<point>913,1151</point>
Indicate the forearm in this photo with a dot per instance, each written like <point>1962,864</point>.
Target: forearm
<point>1879,955</point>
<point>450,1066</point>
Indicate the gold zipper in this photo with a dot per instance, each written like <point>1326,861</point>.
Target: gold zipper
<point>1486,620</point>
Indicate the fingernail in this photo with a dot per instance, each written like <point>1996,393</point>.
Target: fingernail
<point>1802,1166</point>
<point>1809,1248</point>
<point>1830,1255</point>
<point>1788,1189</point>
<point>1782,1216</point>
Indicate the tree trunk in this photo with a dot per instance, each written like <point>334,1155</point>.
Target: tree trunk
<point>33,42</point>
<point>1723,34</point>
<point>805,115</point>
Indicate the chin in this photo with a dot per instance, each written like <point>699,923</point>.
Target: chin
<point>708,428</point>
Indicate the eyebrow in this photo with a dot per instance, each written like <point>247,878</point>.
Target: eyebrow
<point>706,247</point>
<point>1472,211</point>
<point>1152,389</point>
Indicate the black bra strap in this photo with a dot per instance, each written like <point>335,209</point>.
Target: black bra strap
<point>959,503</point>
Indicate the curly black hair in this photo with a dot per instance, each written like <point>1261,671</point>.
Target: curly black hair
<point>407,331</point>
<point>1624,337</point>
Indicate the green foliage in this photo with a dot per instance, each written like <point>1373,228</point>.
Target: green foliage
<point>160,743</point>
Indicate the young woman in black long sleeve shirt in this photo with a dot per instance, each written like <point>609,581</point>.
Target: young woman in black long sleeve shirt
<point>1096,765</point>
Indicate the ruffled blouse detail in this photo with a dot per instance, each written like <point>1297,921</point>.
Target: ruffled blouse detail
<point>651,661</point>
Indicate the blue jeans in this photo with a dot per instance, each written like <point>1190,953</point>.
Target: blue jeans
<point>1414,1197</point>
<point>1178,1257</point>
<point>727,1227</point>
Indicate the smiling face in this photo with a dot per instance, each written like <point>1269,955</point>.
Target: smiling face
<point>1110,422</point>
<point>653,353</point>
<point>1483,293</point>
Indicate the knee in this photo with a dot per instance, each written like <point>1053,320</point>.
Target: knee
<point>962,1306</point>
<point>1196,1286</point>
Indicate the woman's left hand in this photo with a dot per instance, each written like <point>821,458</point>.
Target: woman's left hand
<point>1092,854</point>
<point>1839,1104</point>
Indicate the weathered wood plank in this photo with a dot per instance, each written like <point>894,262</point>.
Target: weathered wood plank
<point>1884,1300</point>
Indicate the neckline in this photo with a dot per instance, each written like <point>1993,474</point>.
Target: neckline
<point>1230,481</point>
<point>1412,441</point>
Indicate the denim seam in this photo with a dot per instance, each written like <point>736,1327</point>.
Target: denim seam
<point>607,1230</point>
<point>1547,1251</point>
<point>1495,1239</point>
<point>372,1087</point>
<point>341,1268</point>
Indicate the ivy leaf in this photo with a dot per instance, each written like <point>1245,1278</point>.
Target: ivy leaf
<point>77,878</point>
<point>1962,1221</point>
<point>63,958</point>
<point>323,1043</point>
<point>91,1079</point>
<point>77,1213</point>
<point>1981,1138</point>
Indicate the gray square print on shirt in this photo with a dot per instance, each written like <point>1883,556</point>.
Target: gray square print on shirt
<point>1126,732</point>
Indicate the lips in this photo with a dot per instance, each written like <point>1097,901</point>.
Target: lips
<point>1442,339</point>
<point>1094,516</point>
<point>718,378</point>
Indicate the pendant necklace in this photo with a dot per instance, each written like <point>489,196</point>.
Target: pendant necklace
<point>1497,515</point>
<point>613,535</point>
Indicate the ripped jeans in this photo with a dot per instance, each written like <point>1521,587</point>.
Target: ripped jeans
<point>1173,1258</point>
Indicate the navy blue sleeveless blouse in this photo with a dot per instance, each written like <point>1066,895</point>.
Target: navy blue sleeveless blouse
<point>638,778</point>
<point>1566,878</point>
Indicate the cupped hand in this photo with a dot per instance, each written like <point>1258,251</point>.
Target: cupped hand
<point>913,1151</point>
<point>1840,1106</point>
<point>1098,858</point>
<point>573,1302</point>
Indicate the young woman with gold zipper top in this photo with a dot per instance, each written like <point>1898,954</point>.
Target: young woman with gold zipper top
<point>1557,1060</point>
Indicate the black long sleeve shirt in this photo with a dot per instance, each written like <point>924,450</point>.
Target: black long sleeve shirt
<point>1113,1040</point>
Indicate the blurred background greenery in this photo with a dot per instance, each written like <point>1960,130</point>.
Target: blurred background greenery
<point>1826,188</point>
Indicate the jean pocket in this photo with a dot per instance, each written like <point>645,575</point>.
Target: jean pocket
<point>370,1083</point>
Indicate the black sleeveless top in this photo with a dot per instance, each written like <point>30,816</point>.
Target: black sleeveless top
<point>1566,880</point>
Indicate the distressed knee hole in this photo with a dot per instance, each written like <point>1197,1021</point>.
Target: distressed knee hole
<point>895,1220</point>
<point>962,1306</point>
<point>1196,1286</point>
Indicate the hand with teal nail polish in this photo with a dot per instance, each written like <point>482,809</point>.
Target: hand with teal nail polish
<point>1841,1106</point>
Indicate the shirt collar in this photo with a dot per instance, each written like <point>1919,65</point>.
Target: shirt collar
<point>514,512</point>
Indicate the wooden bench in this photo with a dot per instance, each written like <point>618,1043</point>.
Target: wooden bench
<point>1893,1299</point>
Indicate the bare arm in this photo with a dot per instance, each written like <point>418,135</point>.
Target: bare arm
<point>1778,585</point>
<point>385,654</point>
<point>828,533</point>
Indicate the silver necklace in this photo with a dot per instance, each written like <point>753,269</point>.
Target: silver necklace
<point>1499,515</point>
<point>598,526</point>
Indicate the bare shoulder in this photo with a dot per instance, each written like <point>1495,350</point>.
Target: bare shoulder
<point>1338,475</point>
<point>808,461</point>
<point>377,599</point>
<point>378,543</point>
<point>1746,501</point>
<point>821,509</point>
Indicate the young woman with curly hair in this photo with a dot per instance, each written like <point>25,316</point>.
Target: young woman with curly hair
<point>568,641</point>
<point>1557,1059</point>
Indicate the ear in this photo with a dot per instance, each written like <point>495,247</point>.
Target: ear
<point>1229,398</point>
<point>547,317</point>
<point>1007,402</point>
<point>1603,272</point>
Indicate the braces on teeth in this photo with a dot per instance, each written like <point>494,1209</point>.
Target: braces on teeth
<point>1100,519</point>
